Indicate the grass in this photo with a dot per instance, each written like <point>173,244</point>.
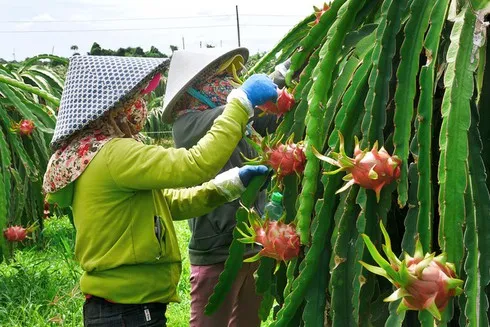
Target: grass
<point>39,286</point>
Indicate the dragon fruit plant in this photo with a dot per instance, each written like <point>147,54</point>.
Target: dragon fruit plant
<point>30,92</point>
<point>423,282</point>
<point>369,169</point>
<point>412,75</point>
<point>279,241</point>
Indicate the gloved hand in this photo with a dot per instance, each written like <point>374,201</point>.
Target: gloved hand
<point>246,173</point>
<point>259,89</point>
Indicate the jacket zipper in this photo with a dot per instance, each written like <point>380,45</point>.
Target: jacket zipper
<point>158,234</point>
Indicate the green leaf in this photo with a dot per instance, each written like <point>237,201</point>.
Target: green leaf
<point>27,63</point>
<point>4,204</point>
<point>408,68</point>
<point>395,319</point>
<point>480,4</point>
<point>477,232</point>
<point>28,88</point>
<point>352,106</point>
<point>411,232</point>
<point>316,295</point>
<point>453,139</point>
<point>424,125</point>
<point>343,260</point>
<point>376,101</point>
<point>56,81</point>
<point>353,38</point>
<point>340,86</point>
<point>322,83</point>
<point>310,41</point>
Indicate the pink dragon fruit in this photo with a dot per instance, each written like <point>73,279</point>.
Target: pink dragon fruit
<point>24,127</point>
<point>369,169</point>
<point>285,102</point>
<point>278,240</point>
<point>424,282</point>
<point>285,158</point>
<point>15,233</point>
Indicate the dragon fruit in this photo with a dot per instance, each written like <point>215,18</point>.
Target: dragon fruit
<point>24,127</point>
<point>423,282</point>
<point>369,169</point>
<point>278,240</point>
<point>285,158</point>
<point>285,102</point>
<point>319,12</point>
<point>15,233</point>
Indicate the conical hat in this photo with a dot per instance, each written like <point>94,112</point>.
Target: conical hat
<point>97,84</point>
<point>186,67</point>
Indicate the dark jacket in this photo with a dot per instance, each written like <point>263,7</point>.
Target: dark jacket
<point>212,234</point>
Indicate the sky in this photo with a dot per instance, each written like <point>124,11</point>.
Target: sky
<point>31,27</point>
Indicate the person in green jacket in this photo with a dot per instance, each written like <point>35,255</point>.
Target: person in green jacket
<point>124,194</point>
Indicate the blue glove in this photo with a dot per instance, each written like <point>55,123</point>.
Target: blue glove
<point>259,89</point>
<point>246,173</point>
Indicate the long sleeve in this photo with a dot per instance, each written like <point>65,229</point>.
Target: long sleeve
<point>200,200</point>
<point>193,202</point>
<point>137,166</point>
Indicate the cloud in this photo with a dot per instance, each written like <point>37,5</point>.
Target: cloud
<point>37,18</point>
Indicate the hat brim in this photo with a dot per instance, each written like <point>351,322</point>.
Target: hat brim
<point>206,71</point>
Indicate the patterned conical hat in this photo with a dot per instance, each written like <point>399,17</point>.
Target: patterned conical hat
<point>97,84</point>
<point>189,66</point>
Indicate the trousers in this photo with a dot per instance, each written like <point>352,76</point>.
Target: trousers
<point>98,312</point>
<point>239,308</point>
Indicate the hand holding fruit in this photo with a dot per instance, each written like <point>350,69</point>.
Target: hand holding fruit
<point>259,89</point>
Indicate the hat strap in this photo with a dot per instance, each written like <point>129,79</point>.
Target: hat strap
<point>201,97</point>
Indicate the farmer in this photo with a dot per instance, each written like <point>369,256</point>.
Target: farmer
<point>124,194</point>
<point>194,98</point>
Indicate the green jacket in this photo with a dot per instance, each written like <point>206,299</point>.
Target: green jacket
<point>116,199</point>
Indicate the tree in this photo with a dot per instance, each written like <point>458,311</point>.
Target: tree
<point>126,52</point>
<point>95,50</point>
<point>138,52</point>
